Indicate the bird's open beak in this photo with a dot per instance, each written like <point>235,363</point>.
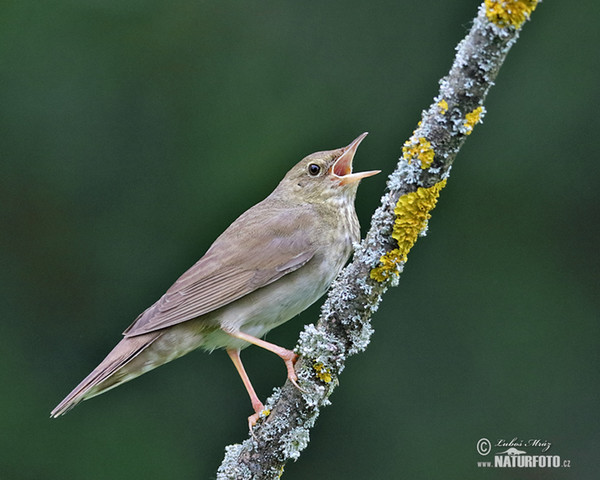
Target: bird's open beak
<point>342,168</point>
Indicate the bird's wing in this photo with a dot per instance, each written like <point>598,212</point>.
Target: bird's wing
<point>270,245</point>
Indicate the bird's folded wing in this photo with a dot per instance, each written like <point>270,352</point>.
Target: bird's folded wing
<point>240,261</point>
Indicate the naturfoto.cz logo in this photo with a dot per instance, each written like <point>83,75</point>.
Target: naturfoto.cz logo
<point>517,453</point>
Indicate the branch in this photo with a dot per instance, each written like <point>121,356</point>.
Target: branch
<point>412,190</point>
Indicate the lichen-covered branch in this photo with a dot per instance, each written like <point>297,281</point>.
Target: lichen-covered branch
<point>413,188</point>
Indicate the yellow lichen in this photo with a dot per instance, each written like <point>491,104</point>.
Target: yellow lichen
<point>418,148</point>
<point>443,104</point>
<point>506,13</point>
<point>471,119</point>
<point>322,373</point>
<point>389,264</point>
<point>412,212</point>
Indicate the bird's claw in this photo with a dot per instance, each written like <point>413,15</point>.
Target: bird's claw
<point>252,419</point>
<point>290,362</point>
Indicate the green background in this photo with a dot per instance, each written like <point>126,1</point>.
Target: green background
<point>133,132</point>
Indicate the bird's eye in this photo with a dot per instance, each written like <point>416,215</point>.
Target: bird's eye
<point>314,169</point>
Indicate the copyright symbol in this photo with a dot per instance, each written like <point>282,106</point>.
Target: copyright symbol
<point>483,446</point>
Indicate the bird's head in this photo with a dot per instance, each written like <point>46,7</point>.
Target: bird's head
<point>325,175</point>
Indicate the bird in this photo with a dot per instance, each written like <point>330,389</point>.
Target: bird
<point>270,264</point>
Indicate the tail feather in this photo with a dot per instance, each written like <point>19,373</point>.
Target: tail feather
<point>110,373</point>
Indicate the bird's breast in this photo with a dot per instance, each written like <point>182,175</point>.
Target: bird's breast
<point>271,305</point>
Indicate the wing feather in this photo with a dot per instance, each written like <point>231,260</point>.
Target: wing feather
<point>239,262</point>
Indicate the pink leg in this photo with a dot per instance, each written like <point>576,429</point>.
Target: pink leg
<point>286,355</point>
<point>256,403</point>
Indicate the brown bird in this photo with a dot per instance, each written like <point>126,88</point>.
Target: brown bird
<point>273,262</point>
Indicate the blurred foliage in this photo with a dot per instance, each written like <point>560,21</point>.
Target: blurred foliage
<point>134,132</point>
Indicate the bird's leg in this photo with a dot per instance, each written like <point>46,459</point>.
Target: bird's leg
<point>256,403</point>
<point>288,357</point>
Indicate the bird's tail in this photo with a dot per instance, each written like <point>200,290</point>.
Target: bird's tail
<point>110,373</point>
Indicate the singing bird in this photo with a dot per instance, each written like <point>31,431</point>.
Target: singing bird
<point>269,265</point>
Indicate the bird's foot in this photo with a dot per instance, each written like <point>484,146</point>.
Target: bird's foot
<point>290,358</point>
<point>259,410</point>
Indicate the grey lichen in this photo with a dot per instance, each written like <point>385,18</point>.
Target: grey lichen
<point>294,442</point>
<point>231,469</point>
<point>321,347</point>
<point>344,326</point>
